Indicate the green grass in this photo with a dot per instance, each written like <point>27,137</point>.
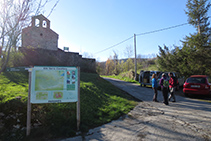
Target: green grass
<point>99,95</point>
<point>13,85</point>
<point>101,103</point>
<point>120,77</point>
<point>152,67</point>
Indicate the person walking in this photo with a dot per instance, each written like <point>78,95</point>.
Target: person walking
<point>154,87</point>
<point>164,87</point>
<point>172,86</point>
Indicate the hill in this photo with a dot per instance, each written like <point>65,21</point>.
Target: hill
<point>124,65</point>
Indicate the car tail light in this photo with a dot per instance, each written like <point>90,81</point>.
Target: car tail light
<point>207,86</point>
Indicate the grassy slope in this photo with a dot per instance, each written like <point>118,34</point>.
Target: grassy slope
<point>120,78</point>
<point>123,78</point>
<point>13,85</point>
<point>101,102</point>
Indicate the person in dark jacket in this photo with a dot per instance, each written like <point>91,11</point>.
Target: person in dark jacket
<point>154,87</point>
<point>164,87</point>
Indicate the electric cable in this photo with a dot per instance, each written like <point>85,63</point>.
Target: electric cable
<point>115,45</point>
<point>162,29</point>
<point>142,34</point>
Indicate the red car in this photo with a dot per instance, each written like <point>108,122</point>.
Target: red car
<point>197,84</point>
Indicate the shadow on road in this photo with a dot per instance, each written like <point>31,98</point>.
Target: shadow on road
<point>200,97</point>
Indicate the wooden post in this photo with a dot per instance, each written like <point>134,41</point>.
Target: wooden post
<point>28,123</point>
<point>135,56</point>
<point>78,102</point>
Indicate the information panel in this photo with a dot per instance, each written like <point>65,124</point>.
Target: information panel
<point>54,84</point>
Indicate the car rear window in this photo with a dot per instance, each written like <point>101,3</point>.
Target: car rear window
<point>201,80</point>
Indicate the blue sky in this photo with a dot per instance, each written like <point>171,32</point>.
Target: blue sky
<point>90,26</point>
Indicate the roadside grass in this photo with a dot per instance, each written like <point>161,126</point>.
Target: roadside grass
<point>126,79</point>
<point>205,100</point>
<point>120,77</point>
<point>101,103</point>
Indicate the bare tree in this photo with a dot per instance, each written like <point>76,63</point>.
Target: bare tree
<point>129,51</point>
<point>14,16</point>
<point>115,57</point>
<point>87,55</point>
<point>139,58</point>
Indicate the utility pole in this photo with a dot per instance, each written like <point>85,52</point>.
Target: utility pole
<point>135,56</point>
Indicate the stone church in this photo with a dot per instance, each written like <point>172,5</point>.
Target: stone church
<point>40,48</point>
<point>39,34</point>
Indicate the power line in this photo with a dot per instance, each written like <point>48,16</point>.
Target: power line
<point>142,34</point>
<point>115,45</point>
<point>162,29</point>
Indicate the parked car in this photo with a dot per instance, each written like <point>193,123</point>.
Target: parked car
<point>145,77</point>
<point>181,79</point>
<point>197,84</point>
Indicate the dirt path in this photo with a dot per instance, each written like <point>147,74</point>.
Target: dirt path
<point>187,119</point>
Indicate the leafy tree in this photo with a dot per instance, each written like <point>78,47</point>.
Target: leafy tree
<point>99,68</point>
<point>197,14</point>
<point>197,45</point>
<point>109,66</point>
<point>121,66</point>
<point>195,55</point>
<point>167,60</point>
<point>128,65</point>
<point>139,63</point>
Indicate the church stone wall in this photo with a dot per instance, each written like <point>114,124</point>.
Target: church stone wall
<point>43,57</point>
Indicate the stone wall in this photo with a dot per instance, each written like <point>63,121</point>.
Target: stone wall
<point>43,57</point>
<point>88,65</point>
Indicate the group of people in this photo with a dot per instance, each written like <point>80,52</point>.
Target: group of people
<point>166,87</point>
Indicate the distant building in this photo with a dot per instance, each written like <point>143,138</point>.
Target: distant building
<point>39,34</point>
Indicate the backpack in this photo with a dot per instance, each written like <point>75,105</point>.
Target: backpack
<point>175,81</point>
<point>165,83</point>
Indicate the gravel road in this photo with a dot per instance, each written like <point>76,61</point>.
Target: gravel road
<point>187,119</point>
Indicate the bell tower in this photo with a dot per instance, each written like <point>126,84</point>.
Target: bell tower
<point>39,34</point>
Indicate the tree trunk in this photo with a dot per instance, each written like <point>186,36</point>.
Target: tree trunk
<point>6,61</point>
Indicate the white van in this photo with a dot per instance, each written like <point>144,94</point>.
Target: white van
<point>145,77</point>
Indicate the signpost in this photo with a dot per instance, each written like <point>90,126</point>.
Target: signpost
<point>53,85</point>
<point>17,69</point>
<point>66,48</point>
